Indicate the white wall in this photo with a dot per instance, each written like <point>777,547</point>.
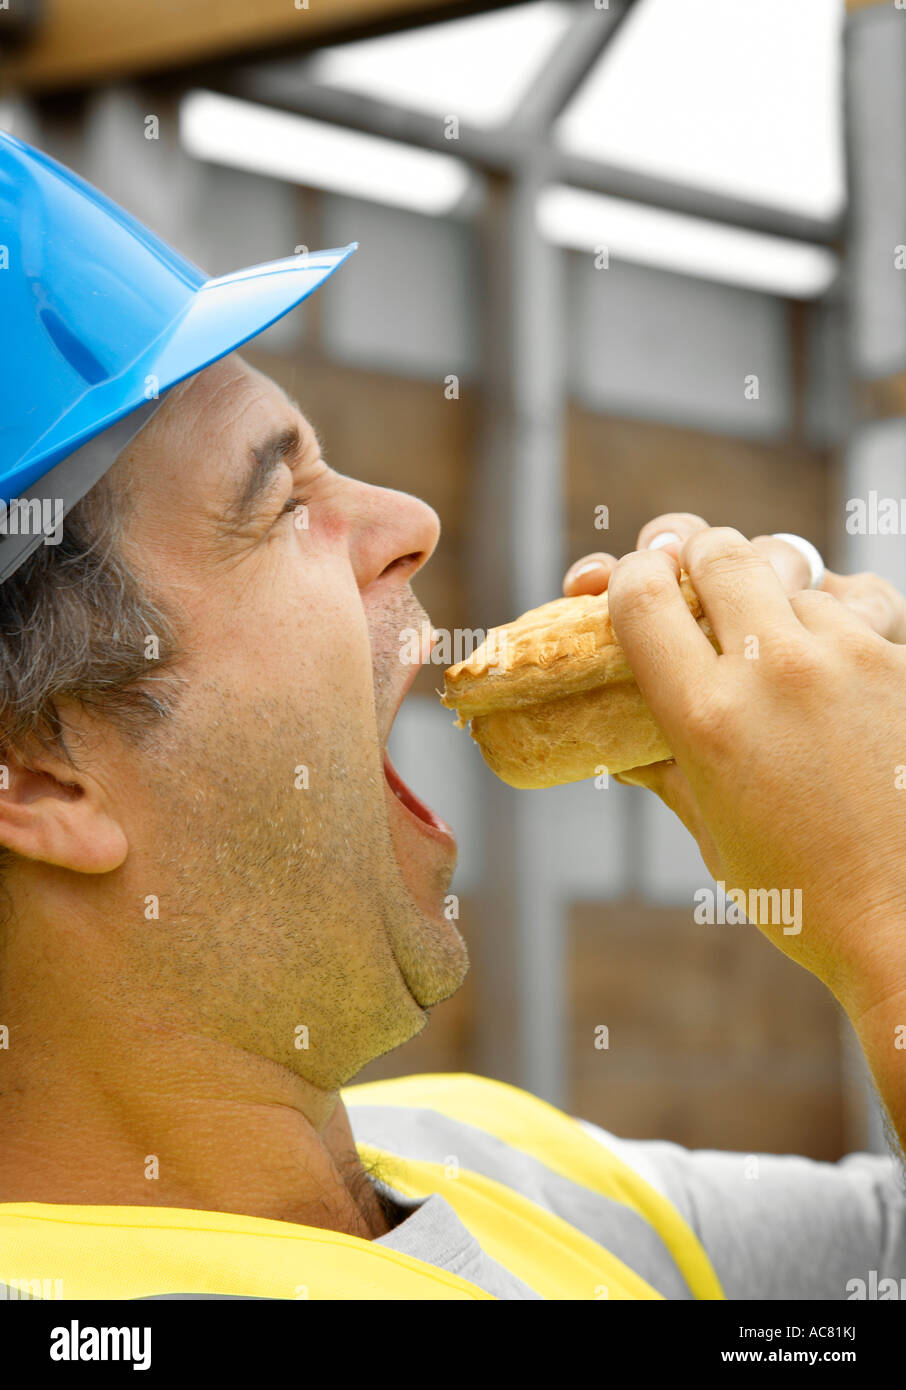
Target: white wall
<point>402,303</point>
<point>875,461</point>
<point>668,347</point>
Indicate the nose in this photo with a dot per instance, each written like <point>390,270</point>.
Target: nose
<point>393,532</point>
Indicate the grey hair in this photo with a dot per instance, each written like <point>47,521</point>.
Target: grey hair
<point>74,626</point>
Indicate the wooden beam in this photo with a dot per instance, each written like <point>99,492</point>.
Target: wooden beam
<point>853,5</point>
<point>83,42</point>
<point>641,468</point>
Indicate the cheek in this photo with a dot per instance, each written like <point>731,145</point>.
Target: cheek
<point>289,623</point>
<point>310,638</point>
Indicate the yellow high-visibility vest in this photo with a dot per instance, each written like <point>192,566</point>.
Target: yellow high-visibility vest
<point>124,1252</point>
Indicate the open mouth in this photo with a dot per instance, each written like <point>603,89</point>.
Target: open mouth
<point>428,822</point>
<point>429,819</point>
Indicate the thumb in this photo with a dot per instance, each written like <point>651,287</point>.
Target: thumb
<point>668,781</point>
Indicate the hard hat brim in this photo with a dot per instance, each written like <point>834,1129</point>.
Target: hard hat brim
<point>221,316</point>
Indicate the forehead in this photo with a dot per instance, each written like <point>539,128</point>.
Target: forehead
<point>199,442</point>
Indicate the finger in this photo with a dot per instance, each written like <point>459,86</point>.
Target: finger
<point>670,531</point>
<point>589,575</point>
<point>669,654</point>
<point>789,563</point>
<point>740,591</point>
<point>872,599</point>
<point>651,776</point>
<point>825,615</point>
<point>668,781</point>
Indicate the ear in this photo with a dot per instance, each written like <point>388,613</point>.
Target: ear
<point>53,812</point>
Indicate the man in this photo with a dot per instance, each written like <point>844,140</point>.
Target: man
<point>221,902</point>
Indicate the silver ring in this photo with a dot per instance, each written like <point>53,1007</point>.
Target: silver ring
<point>811,554</point>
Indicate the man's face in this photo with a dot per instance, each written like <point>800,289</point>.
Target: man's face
<point>300,902</point>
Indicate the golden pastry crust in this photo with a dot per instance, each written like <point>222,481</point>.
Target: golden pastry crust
<point>552,698</point>
<point>568,740</point>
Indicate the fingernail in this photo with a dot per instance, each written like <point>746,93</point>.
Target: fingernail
<point>584,569</point>
<point>664,538</point>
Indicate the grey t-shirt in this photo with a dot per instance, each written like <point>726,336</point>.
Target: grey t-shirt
<point>773,1227</point>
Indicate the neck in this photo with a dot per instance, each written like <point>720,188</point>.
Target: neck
<point>139,1115</point>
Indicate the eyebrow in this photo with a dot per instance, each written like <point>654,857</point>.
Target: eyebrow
<point>266,458</point>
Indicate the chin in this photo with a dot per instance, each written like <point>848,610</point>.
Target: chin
<point>433,975</point>
<point>429,950</point>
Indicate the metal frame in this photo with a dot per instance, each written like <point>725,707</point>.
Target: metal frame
<point>526,140</point>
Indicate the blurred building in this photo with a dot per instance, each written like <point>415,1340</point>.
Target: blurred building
<point>610,265</point>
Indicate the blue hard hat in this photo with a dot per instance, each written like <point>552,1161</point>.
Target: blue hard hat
<point>99,318</point>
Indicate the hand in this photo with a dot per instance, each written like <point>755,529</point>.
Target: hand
<point>874,600</point>
<point>792,743</point>
<point>786,766</point>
